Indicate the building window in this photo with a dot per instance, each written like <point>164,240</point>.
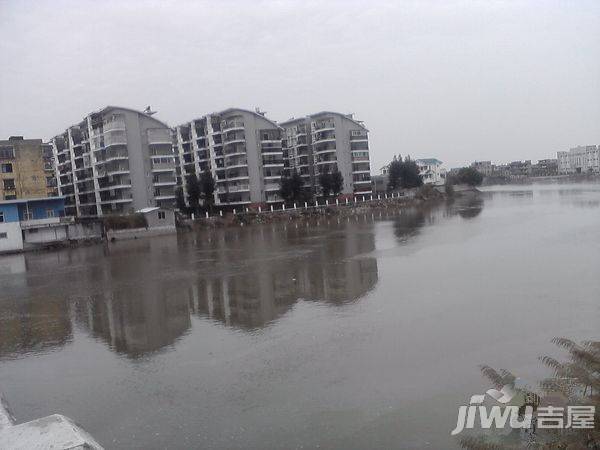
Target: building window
<point>50,213</point>
<point>27,215</point>
<point>7,152</point>
<point>1,216</point>
<point>9,184</point>
<point>7,168</point>
<point>10,197</point>
<point>3,236</point>
<point>162,215</point>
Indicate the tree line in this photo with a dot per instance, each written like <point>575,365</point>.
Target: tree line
<point>403,174</point>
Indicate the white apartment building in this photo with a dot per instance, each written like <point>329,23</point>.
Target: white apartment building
<point>326,141</point>
<point>581,159</point>
<point>117,160</point>
<point>241,148</point>
<point>432,171</point>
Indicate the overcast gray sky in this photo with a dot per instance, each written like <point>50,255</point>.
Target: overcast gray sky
<point>456,80</point>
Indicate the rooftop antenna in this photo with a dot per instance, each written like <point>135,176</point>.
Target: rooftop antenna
<point>149,111</point>
<point>258,111</point>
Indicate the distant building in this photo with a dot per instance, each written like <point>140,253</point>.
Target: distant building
<point>242,150</point>
<point>483,167</point>
<point>514,170</point>
<point>117,160</point>
<point>432,171</point>
<point>159,218</point>
<point>379,184</point>
<point>324,142</point>
<point>545,168</point>
<point>31,222</point>
<point>26,169</point>
<point>582,159</point>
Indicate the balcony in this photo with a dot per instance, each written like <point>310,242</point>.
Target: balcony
<point>47,222</point>
<point>229,125</point>
<point>110,125</point>
<point>163,167</point>
<point>159,136</point>
<point>164,183</point>
<point>322,125</point>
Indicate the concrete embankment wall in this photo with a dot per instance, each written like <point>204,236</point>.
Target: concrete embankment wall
<point>137,233</point>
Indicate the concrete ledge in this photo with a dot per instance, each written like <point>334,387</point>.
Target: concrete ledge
<point>56,432</point>
<point>137,233</point>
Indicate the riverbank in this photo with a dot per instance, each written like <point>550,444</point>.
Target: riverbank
<point>360,205</point>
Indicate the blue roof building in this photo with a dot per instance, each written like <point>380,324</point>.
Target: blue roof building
<point>32,221</point>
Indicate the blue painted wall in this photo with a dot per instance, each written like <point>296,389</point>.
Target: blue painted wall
<point>11,212</point>
<point>14,212</point>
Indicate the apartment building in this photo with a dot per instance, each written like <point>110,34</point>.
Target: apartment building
<point>115,161</point>
<point>242,149</point>
<point>324,142</point>
<point>26,169</point>
<point>581,159</point>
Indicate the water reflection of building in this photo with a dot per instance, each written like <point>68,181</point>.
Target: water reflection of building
<point>138,296</point>
<point>135,320</point>
<point>332,271</point>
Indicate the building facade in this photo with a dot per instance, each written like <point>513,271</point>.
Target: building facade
<point>485,168</point>
<point>298,152</point>
<point>241,148</point>
<point>325,142</point>
<point>432,171</point>
<point>115,161</point>
<point>545,168</point>
<point>581,159</point>
<point>26,169</point>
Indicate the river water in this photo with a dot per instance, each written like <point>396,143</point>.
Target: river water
<point>362,332</point>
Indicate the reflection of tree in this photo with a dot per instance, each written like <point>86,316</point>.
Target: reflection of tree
<point>574,382</point>
<point>469,208</point>
<point>409,222</point>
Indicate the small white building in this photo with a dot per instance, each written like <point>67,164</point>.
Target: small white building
<point>432,171</point>
<point>158,221</point>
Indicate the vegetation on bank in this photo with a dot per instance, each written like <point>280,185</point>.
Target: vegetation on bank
<point>200,194</point>
<point>573,382</point>
<point>403,174</point>
<point>124,222</point>
<point>425,194</point>
<point>468,176</point>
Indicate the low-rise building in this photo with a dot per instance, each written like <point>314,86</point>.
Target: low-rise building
<point>26,169</point>
<point>432,171</point>
<point>581,159</point>
<point>545,168</point>
<point>514,170</point>
<point>32,222</point>
<point>483,167</point>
